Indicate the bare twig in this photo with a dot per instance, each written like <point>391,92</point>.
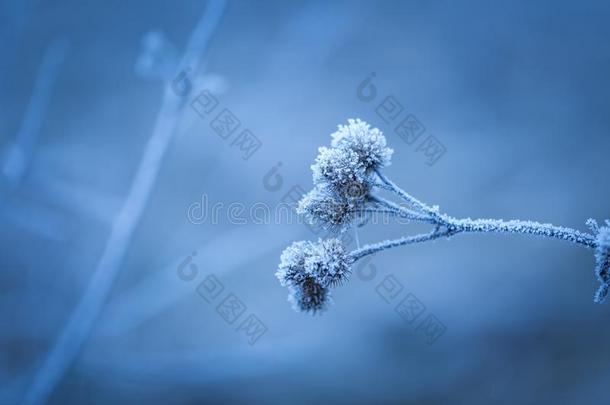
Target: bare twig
<point>76,331</point>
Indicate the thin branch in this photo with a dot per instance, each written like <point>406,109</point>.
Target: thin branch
<point>491,225</point>
<point>407,197</point>
<point>395,213</point>
<point>20,152</point>
<point>524,227</point>
<point>456,226</point>
<point>405,212</point>
<point>387,244</point>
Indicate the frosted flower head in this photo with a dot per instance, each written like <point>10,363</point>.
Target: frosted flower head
<point>328,209</point>
<point>602,258</point>
<point>369,144</point>
<point>329,263</point>
<point>309,296</point>
<point>310,269</point>
<point>340,171</point>
<point>291,270</point>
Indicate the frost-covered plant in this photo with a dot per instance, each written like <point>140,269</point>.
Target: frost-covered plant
<point>329,263</point>
<point>346,177</point>
<point>291,270</point>
<point>328,209</point>
<point>309,269</point>
<point>339,171</point>
<point>367,143</point>
<point>602,258</point>
<point>309,296</point>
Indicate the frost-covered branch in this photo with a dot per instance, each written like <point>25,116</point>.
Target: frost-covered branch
<point>432,212</point>
<point>387,244</point>
<point>526,228</point>
<point>346,177</point>
<point>400,211</point>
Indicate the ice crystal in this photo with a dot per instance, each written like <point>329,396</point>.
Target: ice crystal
<point>592,224</point>
<point>368,143</point>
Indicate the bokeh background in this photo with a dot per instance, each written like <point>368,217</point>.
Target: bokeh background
<point>93,310</point>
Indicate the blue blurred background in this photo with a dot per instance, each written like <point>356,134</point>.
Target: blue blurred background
<point>102,155</point>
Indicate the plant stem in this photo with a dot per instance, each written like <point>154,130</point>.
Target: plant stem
<point>400,211</point>
<point>387,244</point>
<point>451,226</point>
<point>454,226</point>
<point>407,197</point>
<point>523,227</point>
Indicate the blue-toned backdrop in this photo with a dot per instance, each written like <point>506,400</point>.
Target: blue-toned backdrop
<point>116,271</point>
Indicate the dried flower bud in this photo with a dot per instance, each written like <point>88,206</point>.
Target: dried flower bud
<point>329,263</point>
<point>319,206</point>
<point>340,172</point>
<point>369,144</point>
<point>291,270</point>
<point>310,269</point>
<point>309,296</point>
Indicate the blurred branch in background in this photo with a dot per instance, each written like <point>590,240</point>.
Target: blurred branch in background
<point>17,158</point>
<point>76,331</point>
<point>20,152</point>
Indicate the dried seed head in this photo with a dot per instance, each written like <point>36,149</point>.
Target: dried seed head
<point>291,270</point>
<point>310,269</point>
<point>369,144</point>
<point>309,296</point>
<point>339,171</point>
<point>332,211</point>
<point>329,263</point>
